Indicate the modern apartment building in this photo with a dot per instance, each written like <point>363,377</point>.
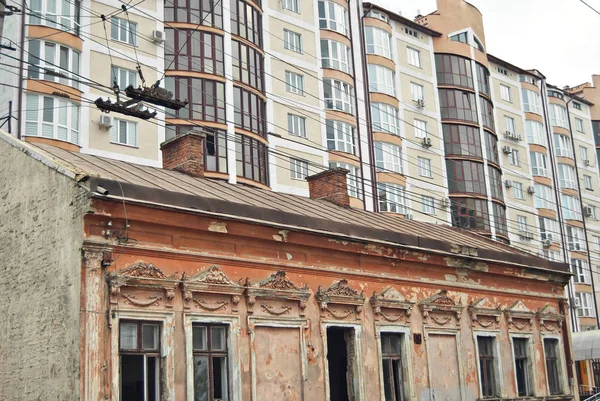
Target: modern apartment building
<point>429,124</point>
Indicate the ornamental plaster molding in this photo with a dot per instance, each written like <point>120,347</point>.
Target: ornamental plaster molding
<point>391,305</point>
<point>340,293</point>
<point>279,288</point>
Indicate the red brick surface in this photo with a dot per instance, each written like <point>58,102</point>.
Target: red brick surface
<point>184,153</point>
<point>330,185</point>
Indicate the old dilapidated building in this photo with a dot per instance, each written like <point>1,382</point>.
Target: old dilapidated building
<point>125,282</point>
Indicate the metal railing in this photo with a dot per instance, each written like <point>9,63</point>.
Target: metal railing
<point>589,393</point>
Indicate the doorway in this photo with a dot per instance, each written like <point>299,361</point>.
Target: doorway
<point>341,363</point>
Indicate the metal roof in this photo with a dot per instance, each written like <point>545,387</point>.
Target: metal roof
<point>167,187</point>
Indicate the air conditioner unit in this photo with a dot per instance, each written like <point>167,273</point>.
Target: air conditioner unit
<point>106,121</point>
<point>577,303</point>
<point>547,243</point>
<point>420,103</point>
<point>531,190</point>
<point>508,184</point>
<point>445,202</point>
<point>507,150</point>
<point>586,162</point>
<point>158,36</point>
<point>426,142</point>
<point>588,211</point>
<point>409,216</point>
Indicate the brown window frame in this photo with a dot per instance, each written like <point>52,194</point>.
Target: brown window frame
<point>252,157</point>
<point>240,10</point>
<point>454,70</point>
<point>487,113</point>
<point>393,379</point>
<point>180,56</point>
<point>496,187</point>
<point>523,376</point>
<point>456,100</point>
<point>196,92</point>
<point>250,72</point>
<point>487,366</point>
<point>210,354</point>
<point>473,211</point>
<point>553,361</point>
<point>483,84</point>
<point>195,13</point>
<point>499,213</point>
<point>491,148</point>
<point>453,140</point>
<point>465,177</point>
<point>249,111</point>
<point>141,351</point>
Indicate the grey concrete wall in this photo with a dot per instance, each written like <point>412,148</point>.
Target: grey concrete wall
<point>41,221</point>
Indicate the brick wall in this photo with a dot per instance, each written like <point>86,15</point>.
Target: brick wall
<point>40,270</point>
<point>330,185</point>
<point>185,153</point>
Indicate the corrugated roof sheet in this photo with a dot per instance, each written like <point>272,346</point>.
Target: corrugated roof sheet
<point>272,202</point>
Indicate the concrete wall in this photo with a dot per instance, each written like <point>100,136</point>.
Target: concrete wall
<point>40,261</point>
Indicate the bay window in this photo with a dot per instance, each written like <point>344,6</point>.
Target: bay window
<point>379,42</point>
<point>205,12</point>
<point>388,157</point>
<point>248,65</point>
<point>46,59</point>
<point>487,113</point>
<point>341,136</point>
<point>336,55</point>
<point>535,133</point>
<point>333,16</point>
<point>571,207</point>
<point>499,213</point>
<point>470,213</point>
<point>539,164</point>
<point>454,70</point>
<point>249,111</point>
<point>458,105</point>
<point>465,177</point>
<point>549,229</point>
<point>567,176</point>
<point>495,182</point>
<point>558,116</point>
<point>381,79</point>
<point>215,146</point>
<point>587,304</point>
<point>562,146</point>
<point>338,95</point>
<point>483,79</point>
<point>544,197</point>
<point>246,20</point>
<point>191,50</point>
<point>531,101</point>
<point>462,140</point>
<point>59,14</point>
<point>206,98</point>
<point>391,198</point>
<point>576,239</point>
<point>53,118</point>
<point>385,118</point>
<point>251,159</point>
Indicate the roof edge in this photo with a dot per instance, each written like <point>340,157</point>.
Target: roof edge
<point>259,215</point>
<point>39,155</point>
<point>506,64</point>
<point>403,20</point>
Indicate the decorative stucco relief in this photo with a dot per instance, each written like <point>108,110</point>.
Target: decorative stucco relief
<point>441,310</point>
<point>391,306</point>
<point>211,291</point>
<point>340,301</point>
<point>484,314</point>
<point>519,316</point>
<point>280,291</point>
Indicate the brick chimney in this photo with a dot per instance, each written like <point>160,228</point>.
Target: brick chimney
<point>185,153</point>
<point>330,185</point>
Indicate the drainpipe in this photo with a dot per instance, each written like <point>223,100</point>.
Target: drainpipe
<point>368,110</point>
<point>362,180</point>
<point>582,215</point>
<point>550,140</point>
<point>21,55</point>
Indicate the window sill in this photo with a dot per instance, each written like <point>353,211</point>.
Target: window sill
<point>125,144</point>
<point>124,43</point>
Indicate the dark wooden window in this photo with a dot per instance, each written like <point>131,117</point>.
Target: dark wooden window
<point>211,378</point>
<point>491,148</point>
<point>202,52</point>
<point>465,176</point>
<point>522,367</point>
<point>458,105</point>
<point>483,79</point>
<point>391,360</point>
<point>552,365</point>
<point>249,111</point>
<point>251,159</point>
<point>499,212</point>
<point>470,213</point>
<point>487,366</point>
<point>495,176</point>
<point>248,65</point>
<point>462,140</point>
<point>206,98</point>
<point>454,70</point>
<point>246,21</point>
<point>199,12</point>
<point>487,113</point>
<point>139,354</point>
<point>215,145</point>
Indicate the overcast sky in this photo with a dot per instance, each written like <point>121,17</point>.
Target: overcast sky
<point>560,38</point>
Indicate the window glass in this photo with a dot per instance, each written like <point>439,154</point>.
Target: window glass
<point>341,137</point>
<point>544,197</point>
<point>524,376</point>
<point>454,70</point>
<point>487,113</point>
<point>139,359</point>
<point>388,157</point>
<point>292,41</point>
<point>251,159</point>
<point>458,105</point>
<point>333,16</point>
<point>420,128</point>
<point>499,212</point>
<point>210,358</point>
<point>518,190</point>
<point>381,79</point>
<point>249,111</point>
<point>567,176</point>
<point>552,365</point>
<point>246,21</point>
<point>571,207</point>
<point>414,57</point>
<point>190,50</point>
<point>338,95</point>
<point>491,148</point>
<point>539,164</point>
<point>462,140</point>
<point>378,42</point>
<point>51,117</point>
<point>416,92</point>
<point>336,55</point>
<point>215,146</point>
<point>562,146</point>
<point>424,167</point>
<point>197,12</point>
<point>483,79</point>
<point>505,93</point>
<point>535,133</point>
<point>465,177</point>
<point>206,98</point>
<point>496,186</point>
<point>298,169</point>
<point>297,125</point>
<point>59,14</point>
<point>385,118</point>
<point>124,132</point>
<point>470,214</point>
<point>291,5</point>
<point>531,101</point>
<point>487,366</point>
<point>391,198</point>
<point>248,65</point>
<point>558,116</point>
<point>391,360</point>
<point>294,83</point>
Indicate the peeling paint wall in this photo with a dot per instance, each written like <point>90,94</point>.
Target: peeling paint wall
<point>41,217</point>
<point>278,323</point>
